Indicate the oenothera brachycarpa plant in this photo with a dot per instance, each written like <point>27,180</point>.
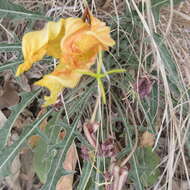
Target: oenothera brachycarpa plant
<point>76,44</point>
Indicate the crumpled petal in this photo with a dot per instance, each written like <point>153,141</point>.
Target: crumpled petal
<point>73,25</point>
<point>36,44</point>
<point>81,36</point>
<point>101,32</point>
<point>82,41</point>
<point>54,87</point>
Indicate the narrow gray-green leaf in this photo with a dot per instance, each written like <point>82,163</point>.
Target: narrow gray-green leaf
<point>16,110</point>
<point>86,174</point>
<point>9,153</point>
<point>42,159</point>
<point>11,10</point>
<point>10,47</point>
<point>56,170</point>
<point>170,65</point>
<point>134,159</point>
<point>9,65</point>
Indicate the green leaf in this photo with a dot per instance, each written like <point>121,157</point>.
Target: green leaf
<point>41,158</point>
<point>170,66</point>
<point>9,65</point>
<point>9,153</point>
<point>10,47</point>
<point>26,98</point>
<point>188,143</point>
<point>85,176</point>
<point>158,4</point>
<point>149,108</point>
<point>122,113</point>
<point>148,161</point>
<point>11,10</point>
<point>83,140</point>
<point>56,170</point>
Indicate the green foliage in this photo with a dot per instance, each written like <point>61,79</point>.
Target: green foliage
<point>9,47</point>
<point>188,143</point>
<point>127,55</point>
<point>150,107</point>
<point>8,154</point>
<point>26,98</point>
<point>158,4</point>
<point>148,162</point>
<point>56,169</point>
<point>11,10</point>
<point>42,159</point>
<point>121,112</point>
<point>10,65</point>
<point>86,175</point>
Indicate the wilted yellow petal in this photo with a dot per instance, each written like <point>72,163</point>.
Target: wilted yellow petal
<point>74,26</point>
<point>54,87</point>
<point>101,32</point>
<point>58,80</point>
<point>83,41</point>
<point>36,44</point>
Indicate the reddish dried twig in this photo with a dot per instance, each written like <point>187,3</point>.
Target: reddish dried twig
<point>116,177</point>
<point>89,131</point>
<point>107,148</point>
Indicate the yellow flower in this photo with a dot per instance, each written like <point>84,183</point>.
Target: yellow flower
<point>74,42</point>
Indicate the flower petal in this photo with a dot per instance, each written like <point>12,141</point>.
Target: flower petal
<point>36,44</point>
<point>101,32</point>
<point>54,87</point>
<point>83,41</point>
<point>58,80</point>
<point>73,25</point>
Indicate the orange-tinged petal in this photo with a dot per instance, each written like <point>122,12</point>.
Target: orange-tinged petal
<point>86,42</point>
<point>73,25</point>
<point>36,44</point>
<point>103,38</point>
<point>83,41</point>
<point>101,32</point>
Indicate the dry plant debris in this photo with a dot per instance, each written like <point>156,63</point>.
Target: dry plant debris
<point>66,182</point>
<point>9,95</point>
<point>147,139</point>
